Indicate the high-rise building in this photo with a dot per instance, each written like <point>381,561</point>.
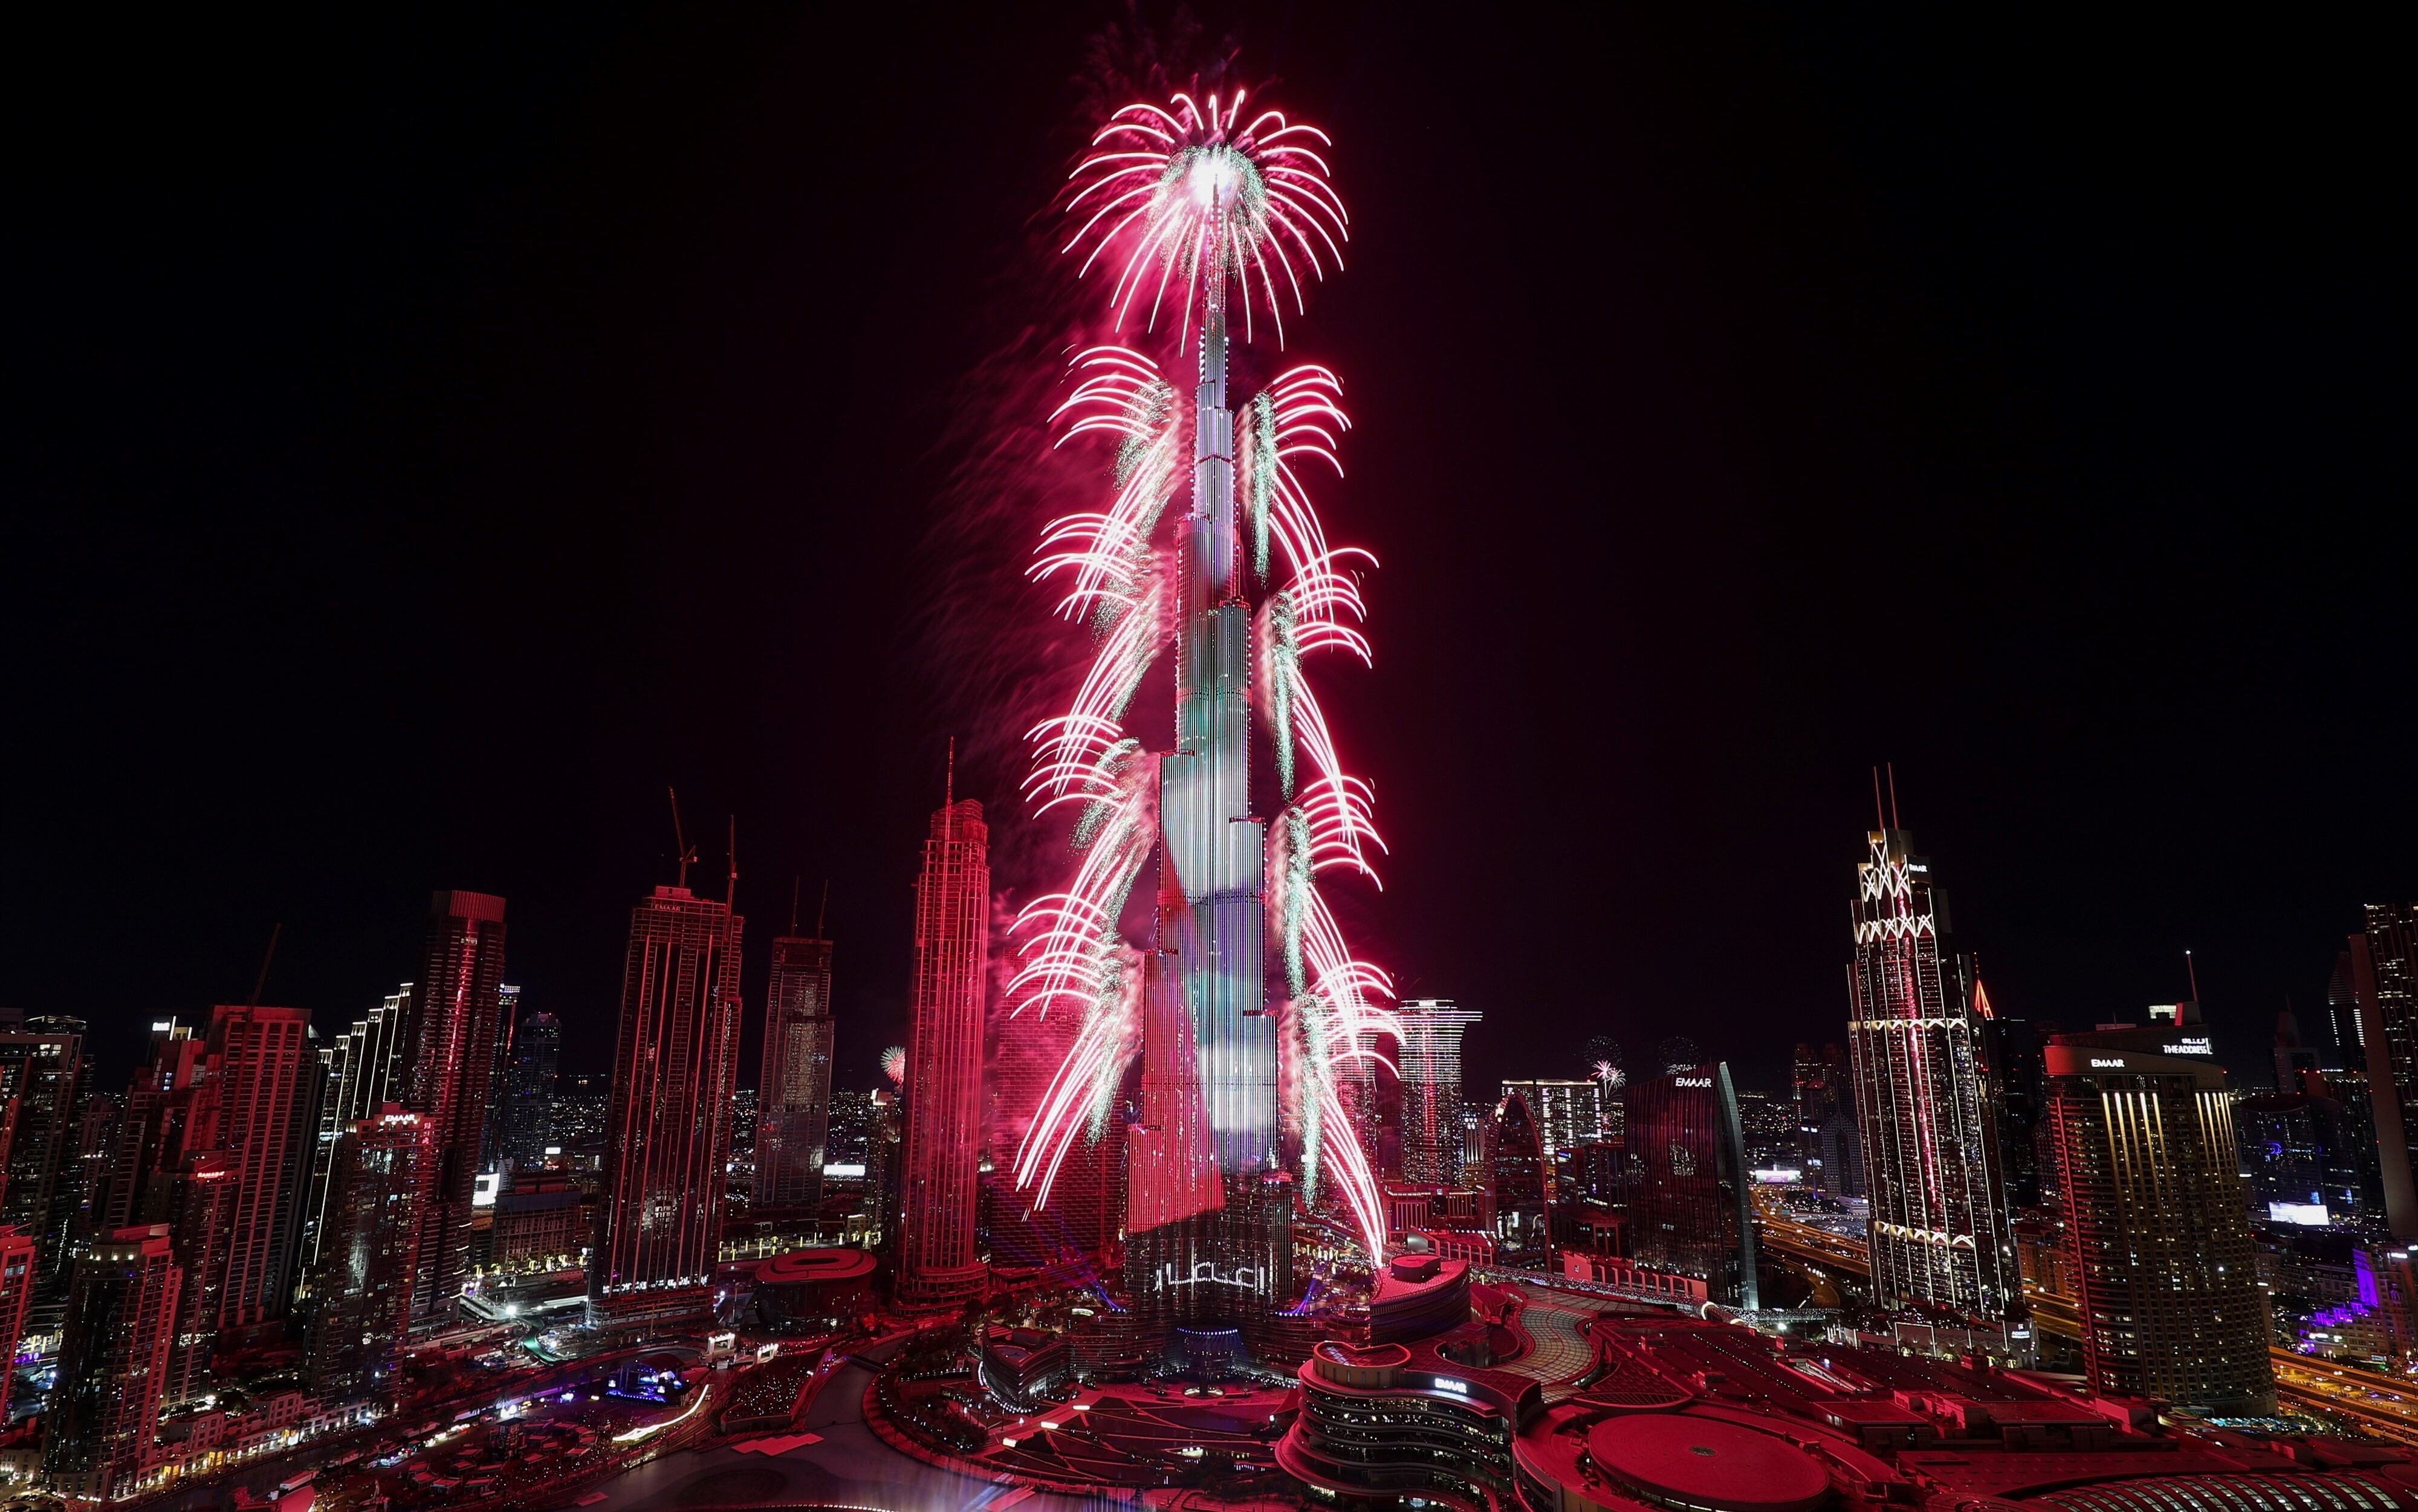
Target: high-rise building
<point>1690,1199</point>
<point>16,1261</point>
<point>937,1262</point>
<point>205,1213</point>
<point>121,1321</point>
<point>257,1059</point>
<point>674,1072</point>
<point>1429,1057</point>
<point>2346,1036</point>
<point>2159,1247</point>
<point>384,1165</point>
<point>2011,1058</point>
<point>1939,1234</point>
<point>1516,1176</point>
<point>150,1143</point>
<point>1839,1144</point>
<point>364,1069</point>
<point>529,1096</point>
<point>507,1019</point>
<point>1568,1114</point>
<point>41,1061</point>
<point>793,1086</point>
<point>451,1038</point>
<point>2384,977</point>
<point>1820,1083</point>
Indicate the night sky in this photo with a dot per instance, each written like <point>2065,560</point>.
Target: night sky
<point>430,440</point>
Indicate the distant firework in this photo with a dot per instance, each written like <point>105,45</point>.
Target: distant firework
<point>894,1065</point>
<point>1183,203</point>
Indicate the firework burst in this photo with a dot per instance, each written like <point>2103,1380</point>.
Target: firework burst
<point>1187,201</point>
<point>1195,199</point>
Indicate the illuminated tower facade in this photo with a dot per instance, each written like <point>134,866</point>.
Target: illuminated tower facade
<point>383,1167</point>
<point>529,1099</point>
<point>937,1264</point>
<point>257,1057</point>
<point>667,1127</point>
<point>205,1214</point>
<point>16,1261</point>
<point>364,1071</point>
<point>2150,1173</point>
<point>1690,1200</point>
<point>1938,1233</point>
<point>1430,1030</point>
<point>121,1323</point>
<point>1516,1175</point>
<point>452,1041</point>
<point>1568,1114</point>
<point>2384,977</point>
<point>42,1066</point>
<point>793,1095</point>
<point>150,1140</point>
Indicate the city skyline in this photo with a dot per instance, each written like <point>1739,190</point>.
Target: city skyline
<point>826,607</point>
<point>597,407</point>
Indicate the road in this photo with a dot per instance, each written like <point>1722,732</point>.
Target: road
<point>850,1467</point>
<point>2380,1404</point>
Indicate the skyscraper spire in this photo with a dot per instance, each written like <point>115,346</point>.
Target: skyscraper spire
<point>1939,1234</point>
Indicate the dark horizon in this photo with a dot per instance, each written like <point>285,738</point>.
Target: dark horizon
<point>442,436</point>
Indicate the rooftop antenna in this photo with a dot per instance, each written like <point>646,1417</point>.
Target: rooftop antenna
<point>1880,820</point>
<point>821,908</point>
<point>679,842</point>
<point>2192,972</point>
<point>949,797</point>
<point>730,895</point>
<point>1892,777</point>
<point>261,981</point>
<point>793,904</point>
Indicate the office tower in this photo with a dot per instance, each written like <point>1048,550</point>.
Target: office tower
<point>793,1085</point>
<point>1429,1057</point>
<point>17,1263</point>
<point>2354,1164</point>
<point>150,1138</point>
<point>885,1150</point>
<point>2159,1246</point>
<point>675,1070</point>
<point>2011,1059</point>
<point>1690,1204</point>
<point>41,1062</point>
<point>2347,1036</point>
<point>257,1059</point>
<point>451,1040</point>
<point>1938,1231</point>
<point>1568,1114</point>
<point>2284,1159</point>
<point>384,1165</point>
<point>364,1071</point>
<point>1839,1146</point>
<point>508,1019</point>
<point>204,1208</point>
<point>1515,1176</point>
<point>529,1106</point>
<point>1820,1083</point>
<point>936,1263</point>
<point>96,1146</point>
<point>121,1319</point>
<point>2384,977</point>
